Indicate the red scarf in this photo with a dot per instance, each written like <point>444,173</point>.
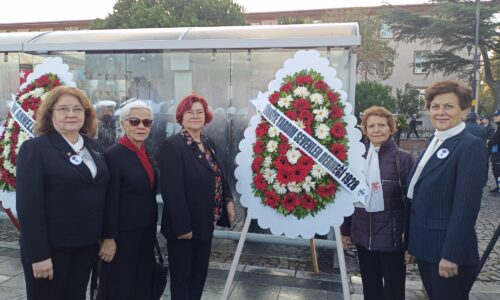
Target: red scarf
<point>141,154</point>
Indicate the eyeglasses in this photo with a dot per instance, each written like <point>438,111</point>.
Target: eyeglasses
<point>192,113</point>
<point>134,122</point>
<point>78,110</point>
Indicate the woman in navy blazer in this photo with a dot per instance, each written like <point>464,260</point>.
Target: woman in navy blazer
<point>445,189</point>
<point>131,210</point>
<point>61,187</point>
<point>196,196</point>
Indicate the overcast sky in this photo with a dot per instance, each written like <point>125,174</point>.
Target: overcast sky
<point>16,11</point>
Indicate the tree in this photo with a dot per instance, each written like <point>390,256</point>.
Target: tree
<point>373,50</point>
<point>451,25</point>
<point>171,13</point>
<point>369,93</point>
<point>408,101</point>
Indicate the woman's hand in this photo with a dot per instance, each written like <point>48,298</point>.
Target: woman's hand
<point>43,269</point>
<point>447,269</point>
<point>230,211</point>
<point>409,259</point>
<point>108,250</point>
<point>346,242</point>
<point>186,236</point>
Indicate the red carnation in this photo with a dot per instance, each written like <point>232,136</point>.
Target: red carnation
<point>306,116</point>
<point>42,81</point>
<point>284,175</point>
<point>274,97</point>
<point>259,182</point>
<point>280,161</point>
<point>338,130</point>
<point>307,201</point>
<point>326,191</point>
<point>257,163</point>
<point>283,148</point>
<point>332,96</point>
<point>308,129</point>
<point>56,82</point>
<point>298,173</point>
<point>290,201</point>
<point>259,147</point>
<point>301,104</point>
<point>336,112</point>
<point>262,129</point>
<point>306,162</point>
<point>291,114</point>
<point>339,150</point>
<point>271,199</point>
<point>303,80</point>
<point>286,87</point>
<point>321,85</point>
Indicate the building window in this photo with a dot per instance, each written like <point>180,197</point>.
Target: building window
<point>386,31</point>
<point>422,93</point>
<point>384,68</point>
<point>420,58</point>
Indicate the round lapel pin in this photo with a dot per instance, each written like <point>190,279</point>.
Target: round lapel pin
<point>443,153</point>
<point>75,159</point>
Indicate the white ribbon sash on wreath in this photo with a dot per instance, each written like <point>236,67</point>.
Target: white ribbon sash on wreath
<point>22,118</point>
<point>347,178</point>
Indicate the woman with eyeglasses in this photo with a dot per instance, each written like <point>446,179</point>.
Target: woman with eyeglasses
<point>196,197</point>
<point>131,210</point>
<point>61,189</point>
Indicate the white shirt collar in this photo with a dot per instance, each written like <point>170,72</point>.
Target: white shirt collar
<point>78,146</point>
<point>443,135</point>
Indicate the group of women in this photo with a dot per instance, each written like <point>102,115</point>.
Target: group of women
<point>424,211</point>
<point>76,203</point>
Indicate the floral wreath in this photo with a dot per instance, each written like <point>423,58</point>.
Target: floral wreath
<point>284,177</point>
<point>29,98</point>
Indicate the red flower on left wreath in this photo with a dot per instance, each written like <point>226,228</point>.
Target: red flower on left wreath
<point>29,98</point>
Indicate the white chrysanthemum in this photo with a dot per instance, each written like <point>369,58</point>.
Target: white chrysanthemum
<point>269,175</point>
<point>5,152</point>
<point>321,131</point>
<point>300,123</point>
<point>7,135</point>
<point>317,99</point>
<point>320,114</point>
<point>293,156</point>
<point>38,92</point>
<point>21,138</point>
<point>267,162</point>
<point>293,187</point>
<point>285,102</point>
<point>273,132</point>
<point>23,96</point>
<point>301,92</point>
<point>31,113</point>
<point>9,167</point>
<point>280,189</point>
<point>272,146</point>
<point>308,184</point>
<point>318,171</point>
<point>10,123</point>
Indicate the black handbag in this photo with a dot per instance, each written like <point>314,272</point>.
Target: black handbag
<point>99,280</point>
<point>160,273</point>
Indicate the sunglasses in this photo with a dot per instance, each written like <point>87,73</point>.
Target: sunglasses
<point>134,122</point>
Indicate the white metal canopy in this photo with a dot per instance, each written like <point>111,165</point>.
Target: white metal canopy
<point>184,38</point>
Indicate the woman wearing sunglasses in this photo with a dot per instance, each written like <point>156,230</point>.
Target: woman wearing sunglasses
<point>196,197</point>
<point>131,210</point>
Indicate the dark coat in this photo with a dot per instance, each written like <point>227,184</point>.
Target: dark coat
<point>446,202</point>
<point>477,130</point>
<point>59,204</point>
<point>381,231</point>
<point>187,185</point>
<point>130,199</point>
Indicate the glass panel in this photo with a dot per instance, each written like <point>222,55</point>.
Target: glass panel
<point>9,83</point>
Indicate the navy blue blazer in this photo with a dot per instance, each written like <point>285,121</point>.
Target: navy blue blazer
<point>446,202</point>
<point>58,203</point>
<point>131,200</point>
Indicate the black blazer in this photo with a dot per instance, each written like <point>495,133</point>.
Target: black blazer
<point>130,199</point>
<point>58,203</point>
<point>446,201</point>
<point>187,185</point>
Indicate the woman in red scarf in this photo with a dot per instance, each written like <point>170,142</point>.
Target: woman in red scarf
<point>131,210</point>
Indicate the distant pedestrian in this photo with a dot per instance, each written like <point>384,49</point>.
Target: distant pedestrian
<point>493,147</point>
<point>397,134</point>
<point>413,127</point>
<point>490,131</point>
<point>475,129</point>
